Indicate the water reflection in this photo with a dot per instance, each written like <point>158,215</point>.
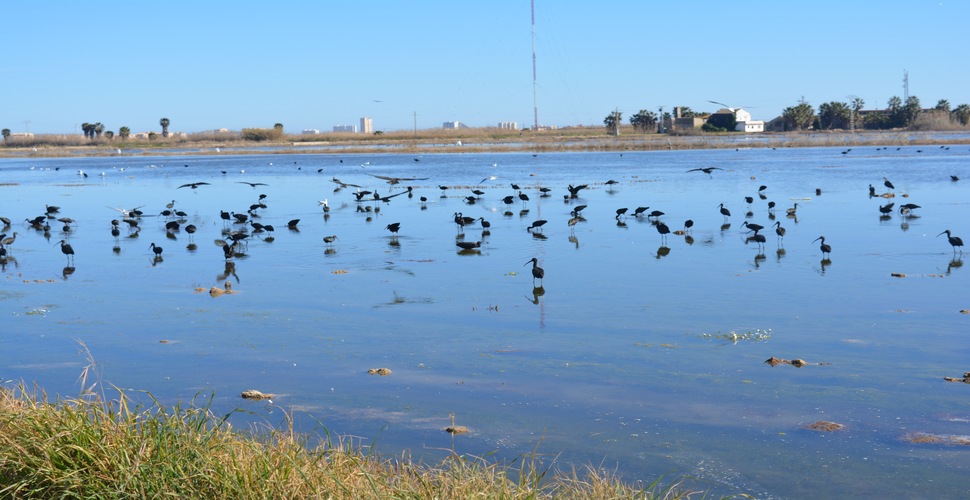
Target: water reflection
<point>956,263</point>
<point>537,292</point>
<point>662,252</point>
<point>67,271</point>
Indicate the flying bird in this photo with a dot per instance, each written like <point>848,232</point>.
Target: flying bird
<point>193,185</point>
<point>252,184</point>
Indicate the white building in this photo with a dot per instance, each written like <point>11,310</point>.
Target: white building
<point>367,125</point>
<point>345,128</point>
<point>508,125</point>
<point>310,131</point>
<point>745,123</point>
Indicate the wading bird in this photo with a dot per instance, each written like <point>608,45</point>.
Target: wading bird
<point>67,250</point>
<point>537,224</point>
<point>780,231</point>
<point>888,184</point>
<point>330,239</point>
<point>791,211</point>
<point>537,272</point>
<point>955,241</point>
<point>393,227</point>
<point>824,247</point>
<point>725,212</point>
<point>468,245</point>
<point>157,249</point>
<point>663,230</point>
<point>752,227</point>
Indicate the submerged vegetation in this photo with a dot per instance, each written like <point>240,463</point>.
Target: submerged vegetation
<point>92,446</point>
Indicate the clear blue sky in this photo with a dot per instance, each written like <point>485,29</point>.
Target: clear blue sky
<point>315,64</point>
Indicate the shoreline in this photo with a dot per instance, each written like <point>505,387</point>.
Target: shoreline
<point>437,144</point>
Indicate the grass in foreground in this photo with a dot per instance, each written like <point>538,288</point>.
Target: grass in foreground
<point>88,447</point>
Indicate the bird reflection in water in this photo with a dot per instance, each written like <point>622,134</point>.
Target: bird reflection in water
<point>574,241</point>
<point>230,270</point>
<point>662,252</point>
<point>726,226</point>
<point>826,262</point>
<point>758,259</point>
<point>536,293</point>
<point>779,254</point>
<point>67,271</point>
<point>689,239</point>
<point>956,263</point>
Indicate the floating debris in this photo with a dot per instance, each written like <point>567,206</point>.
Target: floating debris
<point>965,379</point>
<point>254,394</point>
<point>339,271</point>
<point>925,437</point>
<point>964,311</point>
<point>825,426</point>
<point>380,371</point>
<point>898,275</point>
<point>734,337</point>
<point>216,291</point>
<point>797,363</point>
<point>458,429</point>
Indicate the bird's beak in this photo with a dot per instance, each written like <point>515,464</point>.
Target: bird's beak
<point>941,234</point>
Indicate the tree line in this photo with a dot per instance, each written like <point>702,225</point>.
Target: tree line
<point>841,115</point>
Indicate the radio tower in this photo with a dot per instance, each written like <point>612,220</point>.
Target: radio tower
<point>535,102</point>
<point>905,86</point>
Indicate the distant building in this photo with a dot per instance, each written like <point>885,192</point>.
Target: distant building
<point>508,125</point>
<point>345,128</point>
<point>746,124</point>
<point>453,125</point>
<point>367,125</point>
<point>311,131</point>
<point>23,135</point>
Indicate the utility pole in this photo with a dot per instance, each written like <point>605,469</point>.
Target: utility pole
<point>535,102</point>
<point>660,120</point>
<point>27,126</point>
<point>415,124</point>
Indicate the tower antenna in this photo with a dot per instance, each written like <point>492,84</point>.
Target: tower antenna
<point>535,102</point>
<point>905,85</point>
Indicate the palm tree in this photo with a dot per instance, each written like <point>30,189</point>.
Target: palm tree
<point>857,105</point>
<point>164,123</point>
<point>109,135</point>
<point>644,120</point>
<point>962,114</point>
<point>612,122</point>
<point>894,103</point>
<point>6,133</point>
<point>98,129</point>
<point>152,136</point>
<point>124,133</point>
<point>278,127</point>
<point>88,129</point>
<point>943,105</point>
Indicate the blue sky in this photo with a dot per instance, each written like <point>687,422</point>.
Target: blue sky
<point>316,64</point>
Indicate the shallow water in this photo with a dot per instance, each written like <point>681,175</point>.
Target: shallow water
<point>620,359</point>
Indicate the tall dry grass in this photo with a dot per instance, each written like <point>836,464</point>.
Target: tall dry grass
<point>95,447</point>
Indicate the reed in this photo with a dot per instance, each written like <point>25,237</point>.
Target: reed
<point>94,447</point>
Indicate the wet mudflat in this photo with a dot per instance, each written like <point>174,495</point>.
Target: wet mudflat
<point>642,352</point>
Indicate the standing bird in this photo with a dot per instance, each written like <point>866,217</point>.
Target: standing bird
<point>872,191</point>
<point>330,239</point>
<point>955,241</point>
<point>486,225</point>
<point>536,225</point>
<point>725,212</point>
<point>663,230</point>
<point>292,224</point>
<point>393,227</point>
<point>888,184</point>
<point>157,249</point>
<point>537,272</point>
<point>752,227</point>
<point>825,247</point>
<point>780,231</point>
<point>687,225</point>
<point>468,245</point>
<point>791,211</point>
<point>67,250</point>
<point>620,212</point>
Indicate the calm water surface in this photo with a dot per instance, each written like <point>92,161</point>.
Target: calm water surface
<point>620,359</point>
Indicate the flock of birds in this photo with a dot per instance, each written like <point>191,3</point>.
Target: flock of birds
<point>239,226</point>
